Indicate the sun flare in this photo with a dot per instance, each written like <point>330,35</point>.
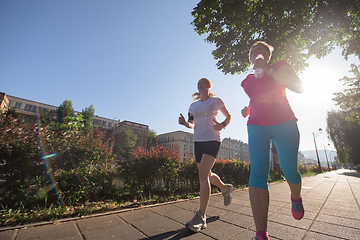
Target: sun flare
<point>320,82</point>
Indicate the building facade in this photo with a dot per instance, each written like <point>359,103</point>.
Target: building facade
<point>183,142</point>
<point>180,141</point>
<point>140,130</point>
<point>27,111</point>
<point>234,149</point>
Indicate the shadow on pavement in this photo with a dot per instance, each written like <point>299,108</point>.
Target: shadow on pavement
<point>181,233</point>
<point>352,174</point>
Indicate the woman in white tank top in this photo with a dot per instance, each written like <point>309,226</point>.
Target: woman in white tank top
<point>202,117</point>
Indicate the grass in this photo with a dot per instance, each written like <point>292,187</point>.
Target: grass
<point>21,216</point>
<point>11,217</point>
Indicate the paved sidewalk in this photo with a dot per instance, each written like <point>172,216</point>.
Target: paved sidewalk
<point>331,202</point>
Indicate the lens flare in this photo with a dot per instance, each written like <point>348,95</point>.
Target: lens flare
<point>46,163</point>
<point>49,169</point>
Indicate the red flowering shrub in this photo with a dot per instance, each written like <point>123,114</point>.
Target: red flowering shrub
<point>20,161</point>
<point>151,169</point>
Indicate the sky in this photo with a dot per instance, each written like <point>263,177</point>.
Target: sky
<point>139,61</point>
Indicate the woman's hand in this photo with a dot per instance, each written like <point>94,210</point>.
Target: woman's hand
<point>261,63</point>
<point>188,124</point>
<point>218,126</point>
<point>245,112</point>
<point>182,120</point>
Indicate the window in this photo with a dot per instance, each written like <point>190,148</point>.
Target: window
<point>30,108</point>
<point>184,147</point>
<point>33,108</point>
<point>18,105</point>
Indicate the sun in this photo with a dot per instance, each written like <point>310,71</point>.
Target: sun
<point>320,82</point>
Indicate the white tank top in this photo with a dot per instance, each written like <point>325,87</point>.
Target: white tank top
<point>204,114</point>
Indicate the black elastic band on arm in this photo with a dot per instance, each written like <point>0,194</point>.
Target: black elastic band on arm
<point>191,117</point>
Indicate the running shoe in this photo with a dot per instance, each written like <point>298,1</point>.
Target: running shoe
<point>226,194</point>
<point>297,209</point>
<point>197,222</point>
<point>258,238</point>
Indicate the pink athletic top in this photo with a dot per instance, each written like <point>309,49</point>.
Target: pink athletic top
<point>268,102</point>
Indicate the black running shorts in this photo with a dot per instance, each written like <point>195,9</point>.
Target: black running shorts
<point>211,148</point>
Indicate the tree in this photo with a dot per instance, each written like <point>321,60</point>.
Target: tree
<point>151,139</point>
<point>344,125</point>
<point>296,29</point>
<point>349,100</point>
<point>64,110</point>
<point>125,143</point>
<point>345,136</point>
<point>88,115</point>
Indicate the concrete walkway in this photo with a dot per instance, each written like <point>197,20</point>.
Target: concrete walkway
<point>331,202</point>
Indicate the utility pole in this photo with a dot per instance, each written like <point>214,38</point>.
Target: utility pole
<point>317,154</point>
<point>327,159</point>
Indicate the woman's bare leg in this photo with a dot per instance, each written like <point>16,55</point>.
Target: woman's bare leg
<point>204,167</point>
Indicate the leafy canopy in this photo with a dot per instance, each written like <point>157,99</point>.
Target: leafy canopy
<point>296,29</point>
<point>344,125</point>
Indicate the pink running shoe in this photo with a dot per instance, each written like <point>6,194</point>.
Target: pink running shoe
<point>260,238</point>
<point>297,209</point>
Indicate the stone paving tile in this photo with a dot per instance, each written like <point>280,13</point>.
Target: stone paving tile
<point>122,232</point>
<point>348,222</point>
<point>309,214</point>
<point>246,234</point>
<point>235,203</point>
<point>238,219</point>
<point>342,212</point>
<point>275,206</point>
<point>150,223</point>
<point>214,211</point>
<point>97,223</point>
<point>7,235</point>
<point>289,220</point>
<point>227,230</point>
<point>180,234</point>
<point>67,230</point>
<point>281,231</point>
<point>336,231</point>
<point>243,210</point>
<point>189,205</point>
<point>319,236</point>
<point>174,212</point>
<point>107,227</point>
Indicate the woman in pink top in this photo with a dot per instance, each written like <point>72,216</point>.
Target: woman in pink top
<point>271,119</point>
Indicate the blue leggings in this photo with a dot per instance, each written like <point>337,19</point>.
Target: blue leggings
<point>286,137</point>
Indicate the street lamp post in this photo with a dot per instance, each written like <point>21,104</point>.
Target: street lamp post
<point>317,154</point>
